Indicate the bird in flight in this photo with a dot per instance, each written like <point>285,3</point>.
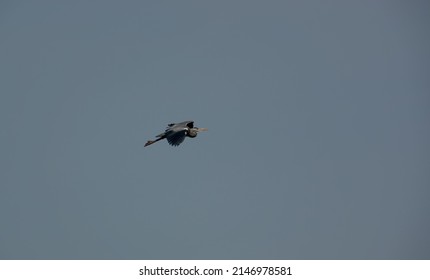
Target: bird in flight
<point>175,133</point>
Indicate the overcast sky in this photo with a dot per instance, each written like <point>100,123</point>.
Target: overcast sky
<point>318,142</point>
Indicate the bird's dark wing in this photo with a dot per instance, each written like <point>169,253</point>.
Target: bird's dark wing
<point>189,124</point>
<point>176,137</point>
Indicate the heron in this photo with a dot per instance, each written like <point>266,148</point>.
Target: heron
<point>175,133</point>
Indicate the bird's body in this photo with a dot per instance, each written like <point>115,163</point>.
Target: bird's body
<point>175,133</point>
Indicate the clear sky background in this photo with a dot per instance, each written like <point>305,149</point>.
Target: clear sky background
<point>318,142</point>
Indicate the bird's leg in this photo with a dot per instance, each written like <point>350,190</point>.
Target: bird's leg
<point>149,143</point>
<point>153,141</point>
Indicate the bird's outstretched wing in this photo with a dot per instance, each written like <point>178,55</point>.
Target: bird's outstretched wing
<point>176,137</point>
<point>189,124</point>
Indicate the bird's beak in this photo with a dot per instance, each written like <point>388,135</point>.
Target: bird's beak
<point>202,129</point>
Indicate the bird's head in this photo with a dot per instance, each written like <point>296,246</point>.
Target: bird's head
<point>192,132</point>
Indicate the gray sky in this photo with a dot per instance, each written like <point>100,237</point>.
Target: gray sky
<point>318,142</point>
